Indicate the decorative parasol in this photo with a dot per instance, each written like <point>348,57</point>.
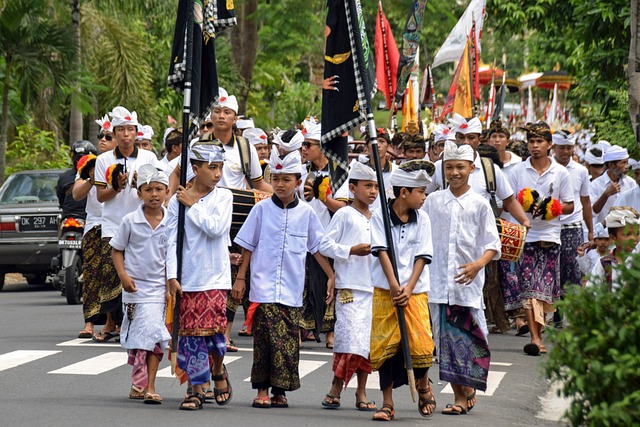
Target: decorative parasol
<point>550,79</point>
<point>486,72</point>
<point>513,85</point>
<point>529,80</point>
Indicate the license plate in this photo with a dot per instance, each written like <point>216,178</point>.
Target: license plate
<point>71,244</point>
<point>39,222</point>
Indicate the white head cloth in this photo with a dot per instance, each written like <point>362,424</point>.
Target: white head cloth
<point>255,136</point>
<point>619,216</point>
<point>454,152</point>
<point>120,116</point>
<point>227,101</point>
<point>561,138</point>
<point>148,174</point>
<point>600,232</point>
<point>312,129</point>
<point>442,132</point>
<point>209,153</point>
<point>245,124</point>
<point>145,132</point>
<point>413,179</point>
<point>634,164</point>
<point>615,153</point>
<point>592,159</point>
<point>291,163</point>
<point>463,126</point>
<point>105,124</point>
<point>167,131</point>
<point>362,172</point>
<point>293,145</point>
<point>604,144</point>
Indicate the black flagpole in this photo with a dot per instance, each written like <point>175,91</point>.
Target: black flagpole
<point>373,134</point>
<point>184,164</point>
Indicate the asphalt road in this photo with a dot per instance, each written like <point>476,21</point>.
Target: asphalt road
<point>50,378</point>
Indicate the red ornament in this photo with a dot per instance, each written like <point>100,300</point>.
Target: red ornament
<point>106,125</point>
<point>446,131</point>
<point>140,134</point>
<point>263,136</point>
<point>128,118</point>
<point>223,98</point>
<point>278,166</point>
<point>304,130</point>
<point>464,126</point>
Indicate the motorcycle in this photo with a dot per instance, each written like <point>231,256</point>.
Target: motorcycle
<point>67,265</point>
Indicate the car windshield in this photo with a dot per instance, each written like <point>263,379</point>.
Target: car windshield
<point>36,188</point>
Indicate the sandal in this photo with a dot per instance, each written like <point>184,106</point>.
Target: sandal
<point>228,390</point>
<point>152,399</point>
<point>136,393</point>
<point>244,333</point>
<point>279,402</point>
<point>454,410</point>
<point>532,349</point>
<point>209,395</point>
<point>105,336</point>
<point>424,402</point>
<point>369,406</point>
<point>192,402</point>
<point>470,397</point>
<point>85,334</point>
<point>543,350</point>
<point>261,402</point>
<point>386,413</point>
<point>330,401</point>
<point>231,347</point>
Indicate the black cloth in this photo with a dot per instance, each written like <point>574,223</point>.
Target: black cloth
<point>70,207</point>
<point>394,373</point>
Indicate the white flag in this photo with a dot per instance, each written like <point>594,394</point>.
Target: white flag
<point>452,48</point>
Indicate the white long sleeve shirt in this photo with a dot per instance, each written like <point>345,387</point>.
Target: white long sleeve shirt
<point>598,186</point>
<point>581,186</point>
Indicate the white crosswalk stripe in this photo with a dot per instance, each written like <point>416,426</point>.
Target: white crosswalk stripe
<point>166,372</point>
<point>20,357</point>
<point>304,368</point>
<point>493,381</point>
<point>95,365</point>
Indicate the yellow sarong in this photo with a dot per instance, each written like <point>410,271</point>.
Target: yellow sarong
<point>385,332</point>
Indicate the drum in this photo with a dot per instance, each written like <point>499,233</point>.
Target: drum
<point>243,201</point>
<point>512,238</point>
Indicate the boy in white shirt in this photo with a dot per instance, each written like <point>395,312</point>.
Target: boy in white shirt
<point>587,255</point>
<point>348,241</point>
<point>275,239</point>
<point>465,241</point>
<point>142,273</point>
<point>411,232</point>
<point>206,274</point>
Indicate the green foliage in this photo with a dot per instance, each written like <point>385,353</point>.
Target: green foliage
<point>34,148</point>
<point>596,358</point>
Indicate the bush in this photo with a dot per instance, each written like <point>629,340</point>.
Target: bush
<point>596,358</point>
<point>34,148</point>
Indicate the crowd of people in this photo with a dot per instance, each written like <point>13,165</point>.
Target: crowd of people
<point>307,260</point>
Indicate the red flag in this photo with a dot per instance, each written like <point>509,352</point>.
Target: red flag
<point>387,57</point>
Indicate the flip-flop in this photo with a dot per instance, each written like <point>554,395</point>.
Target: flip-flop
<point>532,349</point>
<point>522,330</point>
<point>469,399</point>
<point>333,404</point>
<point>85,334</point>
<point>105,336</point>
<point>261,402</point>
<point>452,411</point>
<point>363,406</point>
<point>244,333</point>
<point>152,399</point>
<point>136,393</point>
<point>279,402</point>
<point>231,347</point>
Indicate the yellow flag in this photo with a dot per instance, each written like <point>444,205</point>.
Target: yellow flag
<point>463,104</point>
<point>409,113</point>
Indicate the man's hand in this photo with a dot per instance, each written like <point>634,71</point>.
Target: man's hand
<point>469,272</point>
<point>236,259</point>
<point>128,284</point>
<point>123,180</point>
<point>362,249</point>
<point>331,285</point>
<point>612,189</point>
<point>237,291</point>
<point>308,191</point>
<point>174,288</point>
<point>185,197</point>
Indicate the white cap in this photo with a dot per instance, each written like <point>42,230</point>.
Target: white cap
<point>312,129</point>
<point>227,101</point>
<point>362,172</point>
<point>561,138</point>
<point>590,158</point>
<point>465,127</point>
<point>619,216</point>
<point>244,123</point>
<point>634,164</point>
<point>148,173</point>
<point>120,116</point>
<point>105,124</point>
<point>255,136</point>
<point>604,143</point>
<point>411,174</point>
<point>295,143</point>
<point>615,153</point>
<point>442,132</point>
<point>600,232</point>
<point>210,153</point>
<point>291,163</point>
<point>145,132</point>
<point>454,152</point>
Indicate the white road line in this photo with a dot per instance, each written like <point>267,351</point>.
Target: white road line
<point>87,342</point>
<point>304,368</point>
<point>305,352</point>
<point>95,365</point>
<point>166,372</point>
<point>20,357</point>
<point>501,364</point>
<point>373,381</point>
<point>493,381</point>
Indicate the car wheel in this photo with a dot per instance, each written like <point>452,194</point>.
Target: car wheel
<point>72,285</point>
<point>36,279</point>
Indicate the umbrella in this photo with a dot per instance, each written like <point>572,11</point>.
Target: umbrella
<point>550,79</point>
<point>529,80</point>
<point>513,85</point>
<point>486,72</point>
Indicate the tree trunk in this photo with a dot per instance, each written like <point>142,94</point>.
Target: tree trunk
<point>244,39</point>
<point>633,70</point>
<point>75,115</point>
<point>5,117</point>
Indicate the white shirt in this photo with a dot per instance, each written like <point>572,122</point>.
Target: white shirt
<point>279,239</point>
<point>630,198</point>
<point>556,182</point>
<point>581,185</point>
<point>463,229</point>
<point>598,186</point>
<point>126,201</point>
<point>477,181</point>
<point>323,212</point>
<point>93,209</point>
<point>348,227</point>
<point>514,160</point>
<point>205,256</point>
<point>588,260</point>
<point>388,188</point>
<point>145,255</point>
<point>411,240</point>
<point>232,174</point>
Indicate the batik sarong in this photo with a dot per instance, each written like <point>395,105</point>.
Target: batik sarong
<point>509,285</point>
<point>571,238</point>
<point>144,327</point>
<point>539,272</point>
<point>493,298</point>
<point>276,329</point>
<point>138,359</point>
<point>202,326</point>
<point>110,288</point>
<point>91,249</point>
<point>317,316</point>
<point>461,340</point>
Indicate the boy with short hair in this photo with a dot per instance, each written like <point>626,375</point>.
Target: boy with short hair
<point>348,241</point>
<point>206,274</point>
<point>466,240</point>
<point>411,233</point>
<point>587,258</point>
<point>142,273</point>
<point>275,239</point>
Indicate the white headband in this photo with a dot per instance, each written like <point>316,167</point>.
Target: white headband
<point>148,174</point>
<point>291,163</point>
<point>362,172</point>
<point>120,116</point>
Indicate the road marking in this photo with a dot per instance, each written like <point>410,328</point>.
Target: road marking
<point>166,372</point>
<point>493,381</point>
<point>500,364</point>
<point>305,352</point>
<point>305,367</point>
<point>20,357</point>
<point>86,342</point>
<point>95,365</point>
<point>373,381</point>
